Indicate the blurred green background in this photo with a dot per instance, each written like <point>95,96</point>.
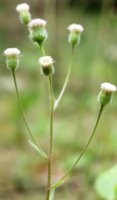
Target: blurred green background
<point>22,172</point>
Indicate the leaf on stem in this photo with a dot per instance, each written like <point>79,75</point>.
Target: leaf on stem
<point>39,150</point>
<point>57,184</point>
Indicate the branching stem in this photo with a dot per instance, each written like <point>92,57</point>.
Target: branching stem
<point>83,151</point>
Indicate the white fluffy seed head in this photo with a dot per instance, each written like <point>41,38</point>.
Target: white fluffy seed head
<point>37,23</point>
<point>12,52</point>
<point>108,87</point>
<point>22,7</point>
<point>46,61</point>
<point>75,28</point>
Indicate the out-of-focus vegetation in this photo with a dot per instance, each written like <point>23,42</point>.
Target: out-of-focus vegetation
<point>106,184</point>
<point>22,172</point>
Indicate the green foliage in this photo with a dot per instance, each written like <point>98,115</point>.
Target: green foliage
<point>106,184</point>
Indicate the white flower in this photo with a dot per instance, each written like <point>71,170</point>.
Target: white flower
<point>46,61</point>
<point>22,7</point>
<point>106,93</point>
<point>12,58</point>
<point>24,14</point>
<point>12,52</point>
<point>46,64</point>
<point>108,87</point>
<point>37,23</point>
<point>75,28</point>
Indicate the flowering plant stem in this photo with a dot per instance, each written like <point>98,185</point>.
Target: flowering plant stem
<point>42,154</point>
<point>66,80</point>
<point>82,153</point>
<point>42,50</point>
<point>51,95</point>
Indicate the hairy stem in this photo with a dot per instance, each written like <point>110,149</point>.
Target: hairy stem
<point>65,82</point>
<point>83,151</point>
<point>51,138</point>
<point>22,111</point>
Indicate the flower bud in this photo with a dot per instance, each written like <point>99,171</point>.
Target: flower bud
<point>12,58</point>
<point>37,29</point>
<point>105,95</point>
<point>46,63</point>
<point>75,33</point>
<point>24,13</point>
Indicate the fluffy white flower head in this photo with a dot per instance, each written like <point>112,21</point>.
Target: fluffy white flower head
<point>108,87</point>
<point>75,28</point>
<point>12,52</point>
<point>46,61</point>
<point>37,23</point>
<point>22,7</point>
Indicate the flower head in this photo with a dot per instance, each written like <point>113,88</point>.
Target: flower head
<point>46,60</point>
<point>23,10</point>
<point>22,7</point>
<point>75,33</point>
<point>108,87</point>
<point>12,52</point>
<point>37,23</point>
<point>37,30</point>
<point>46,63</point>
<point>105,95</point>
<point>12,57</point>
<point>77,28</point>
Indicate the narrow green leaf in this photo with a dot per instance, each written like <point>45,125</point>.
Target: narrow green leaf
<point>52,192</point>
<point>57,184</point>
<point>39,150</point>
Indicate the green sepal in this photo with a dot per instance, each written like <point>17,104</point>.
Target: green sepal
<point>47,71</point>
<point>74,38</point>
<point>104,98</point>
<point>25,17</point>
<point>38,35</point>
<point>12,62</point>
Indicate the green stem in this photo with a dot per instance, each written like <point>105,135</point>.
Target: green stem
<point>83,151</point>
<point>42,50</point>
<point>22,111</point>
<point>66,81</point>
<point>51,138</point>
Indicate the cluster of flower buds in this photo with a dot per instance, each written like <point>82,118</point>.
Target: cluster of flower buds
<point>105,95</point>
<point>37,27</point>
<point>12,58</point>
<point>38,33</point>
<point>23,10</point>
